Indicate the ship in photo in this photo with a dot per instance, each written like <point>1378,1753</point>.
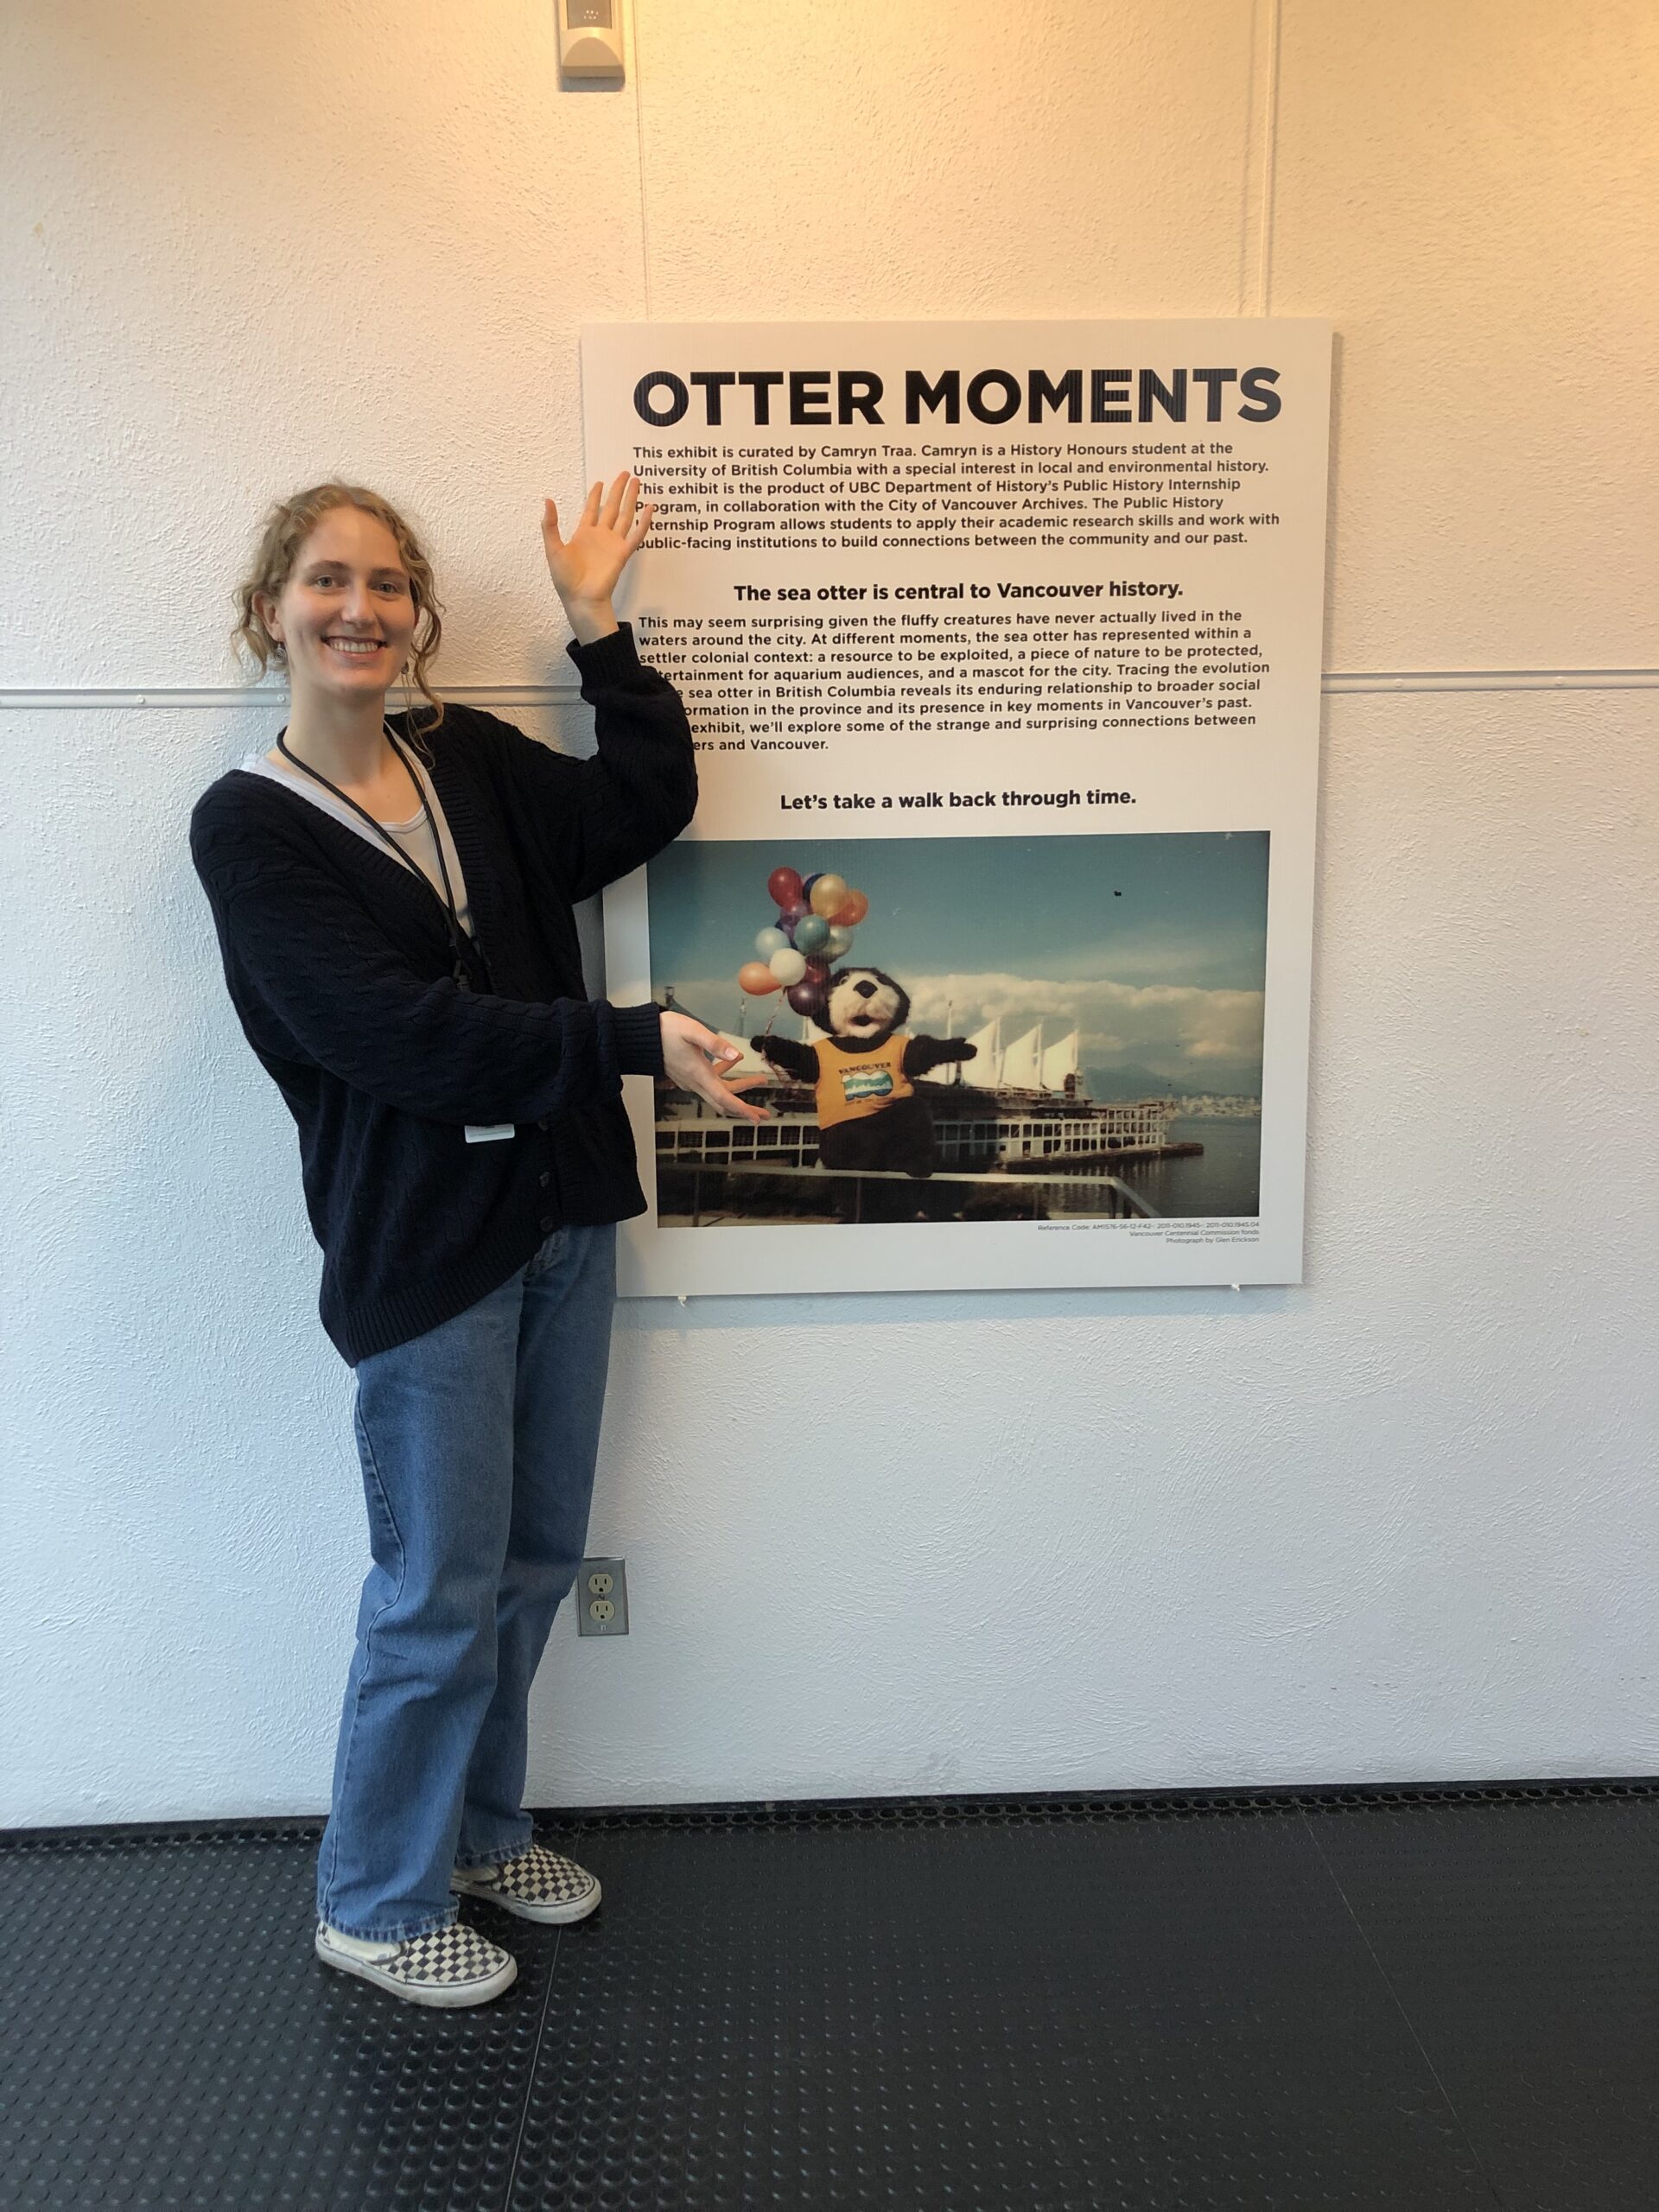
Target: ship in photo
<point>1015,1114</point>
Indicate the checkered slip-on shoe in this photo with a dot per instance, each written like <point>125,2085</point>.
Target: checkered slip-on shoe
<point>447,1966</point>
<point>538,1885</point>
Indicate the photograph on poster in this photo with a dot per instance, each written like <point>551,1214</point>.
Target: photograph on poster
<point>1001,647</point>
<point>966,1030</point>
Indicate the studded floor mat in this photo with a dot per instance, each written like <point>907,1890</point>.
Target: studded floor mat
<point>1399,1999</point>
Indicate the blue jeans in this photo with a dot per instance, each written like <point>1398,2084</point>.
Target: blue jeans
<point>478,1441</point>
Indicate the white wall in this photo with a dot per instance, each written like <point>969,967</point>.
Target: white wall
<point>1400,1521</point>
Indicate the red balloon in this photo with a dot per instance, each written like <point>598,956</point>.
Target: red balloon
<point>783,885</point>
<point>851,911</point>
<point>818,970</point>
<point>807,998</point>
<point>756,978</point>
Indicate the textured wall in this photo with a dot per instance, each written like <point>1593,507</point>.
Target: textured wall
<point>1399,1522</point>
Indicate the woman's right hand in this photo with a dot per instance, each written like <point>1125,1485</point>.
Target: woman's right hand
<point>693,1057</point>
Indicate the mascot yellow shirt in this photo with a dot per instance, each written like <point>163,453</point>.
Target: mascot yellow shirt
<point>852,1086</point>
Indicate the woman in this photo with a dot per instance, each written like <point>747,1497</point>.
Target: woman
<point>393,901</point>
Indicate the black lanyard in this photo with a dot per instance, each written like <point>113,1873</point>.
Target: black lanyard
<point>458,938</point>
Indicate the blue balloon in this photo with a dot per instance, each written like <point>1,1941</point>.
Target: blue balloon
<point>807,882</point>
<point>811,933</point>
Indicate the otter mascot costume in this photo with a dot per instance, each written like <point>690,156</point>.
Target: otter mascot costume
<point>870,1117</point>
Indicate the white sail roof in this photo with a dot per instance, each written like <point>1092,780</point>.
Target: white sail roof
<point>1022,1061</point>
<point>984,1070</point>
<point>1060,1061</point>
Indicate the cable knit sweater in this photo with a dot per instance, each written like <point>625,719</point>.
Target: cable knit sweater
<point>340,972</point>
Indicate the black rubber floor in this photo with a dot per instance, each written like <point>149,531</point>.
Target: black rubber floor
<point>1406,2000</point>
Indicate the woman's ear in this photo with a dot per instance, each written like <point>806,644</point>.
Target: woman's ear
<point>265,607</point>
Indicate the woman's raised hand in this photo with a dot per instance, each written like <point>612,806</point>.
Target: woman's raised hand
<point>693,1057</point>
<point>585,566</point>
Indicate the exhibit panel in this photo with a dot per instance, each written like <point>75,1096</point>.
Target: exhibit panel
<point>1000,643</point>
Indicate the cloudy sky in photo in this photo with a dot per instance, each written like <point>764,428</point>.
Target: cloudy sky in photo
<point>1155,947</point>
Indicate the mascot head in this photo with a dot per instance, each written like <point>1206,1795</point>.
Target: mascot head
<point>864,1006</point>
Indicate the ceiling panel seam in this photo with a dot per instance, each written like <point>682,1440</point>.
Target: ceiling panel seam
<point>639,157</point>
<point>1261,161</point>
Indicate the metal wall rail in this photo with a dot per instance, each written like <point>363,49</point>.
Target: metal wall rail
<point>90,697</point>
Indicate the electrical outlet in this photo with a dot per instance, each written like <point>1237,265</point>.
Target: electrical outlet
<point>602,1598</point>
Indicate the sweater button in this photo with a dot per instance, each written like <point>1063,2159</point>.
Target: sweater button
<point>542,1124</point>
<point>550,1222</point>
<point>546,1177</point>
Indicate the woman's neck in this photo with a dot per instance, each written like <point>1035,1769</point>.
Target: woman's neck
<point>344,740</point>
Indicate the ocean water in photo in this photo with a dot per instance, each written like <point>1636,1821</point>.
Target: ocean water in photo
<point>1225,1179</point>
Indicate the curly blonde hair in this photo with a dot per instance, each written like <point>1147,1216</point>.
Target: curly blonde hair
<point>288,525</point>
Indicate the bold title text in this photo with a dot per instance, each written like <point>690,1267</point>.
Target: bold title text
<point>734,398</point>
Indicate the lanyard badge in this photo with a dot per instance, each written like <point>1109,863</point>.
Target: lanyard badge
<point>451,913</point>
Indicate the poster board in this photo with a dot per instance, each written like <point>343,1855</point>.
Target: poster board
<point>1000,643</point>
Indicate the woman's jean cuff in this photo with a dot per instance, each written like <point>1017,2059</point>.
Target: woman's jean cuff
<point>402,1932</point>
<point>497,1853</point>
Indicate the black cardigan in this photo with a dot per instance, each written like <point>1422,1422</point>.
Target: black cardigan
<point>340,971</point>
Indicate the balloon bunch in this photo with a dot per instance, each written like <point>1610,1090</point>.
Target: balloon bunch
<point>816,916</point>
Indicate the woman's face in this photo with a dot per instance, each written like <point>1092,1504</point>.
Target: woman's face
<point>346,614</point>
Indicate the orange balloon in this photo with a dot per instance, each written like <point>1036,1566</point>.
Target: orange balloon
<point>851,911</point>
<point>756,978</point>
<point>827,894</point>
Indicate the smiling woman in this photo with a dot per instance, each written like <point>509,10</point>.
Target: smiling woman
<point>393,896</point>
<point>350,536</point>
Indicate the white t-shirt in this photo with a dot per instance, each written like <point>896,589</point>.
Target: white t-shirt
<point>414,838</point>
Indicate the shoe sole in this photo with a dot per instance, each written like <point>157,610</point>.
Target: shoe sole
<point>548,1915</point>
<point>447,1996</point>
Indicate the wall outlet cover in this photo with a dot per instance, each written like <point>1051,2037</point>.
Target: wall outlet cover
<point>602,1598</point>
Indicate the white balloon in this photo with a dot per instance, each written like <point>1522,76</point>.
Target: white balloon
<point>788,966</point>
